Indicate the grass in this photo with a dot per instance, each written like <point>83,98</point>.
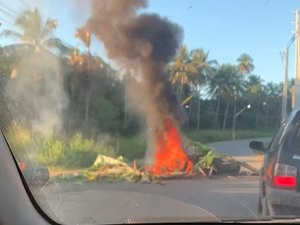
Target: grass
<point>132,148</point>
<point>209,136</point>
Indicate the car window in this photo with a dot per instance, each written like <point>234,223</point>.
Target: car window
<point>292,140</point>
<point>274,145</point>
<point>123,111</point>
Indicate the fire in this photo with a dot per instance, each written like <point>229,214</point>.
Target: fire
<point>169,154</point>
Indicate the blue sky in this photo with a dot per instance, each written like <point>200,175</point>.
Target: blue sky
<point>225,28</point>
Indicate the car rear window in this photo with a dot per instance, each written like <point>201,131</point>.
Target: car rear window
<point>292,139</point>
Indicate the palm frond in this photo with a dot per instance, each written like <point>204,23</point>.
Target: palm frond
<point>84,36</point>
<point>56,43</point>
<point>49,26</point>
<point>10,33</point>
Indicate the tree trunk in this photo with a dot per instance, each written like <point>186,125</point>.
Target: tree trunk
<point>88,93</point>
<point>198,112</point>
<point>225,117</point>
<point>234,119</point>
<point>179,93</point>
<point>125,110</point>
<point>257,116</point>
<point>87,109</point>
<point>218,111</point>
<point>189,115</point>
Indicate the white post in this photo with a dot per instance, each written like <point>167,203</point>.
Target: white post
<point>285,85</point>
<point>297,69</point>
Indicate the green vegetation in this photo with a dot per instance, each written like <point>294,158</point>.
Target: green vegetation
<point>133,148</point>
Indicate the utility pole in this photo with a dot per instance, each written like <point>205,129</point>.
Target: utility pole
<point>285,84</point>
<point>296,91</point>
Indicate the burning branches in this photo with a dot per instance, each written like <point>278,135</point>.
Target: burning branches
<point>169,155</point>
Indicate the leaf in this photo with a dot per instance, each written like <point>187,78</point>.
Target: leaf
<point>10,33</point>
<point>84,36</point>
<point>49,26</point>
<point>55,43</point>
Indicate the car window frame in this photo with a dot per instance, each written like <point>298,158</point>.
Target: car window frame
<point>277,138</point>
<point>15,195</point>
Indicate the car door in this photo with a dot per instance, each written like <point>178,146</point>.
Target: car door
<point>271,155</point>
<point>290,152</point>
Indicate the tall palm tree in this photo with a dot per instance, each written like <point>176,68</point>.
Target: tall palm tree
<point>245,64</point>
<point>254,87</point>
<point>34,33</point>
<point>223,85</point>
<point>205,68</point>
<point>87,60</point>
<point>181,70</point>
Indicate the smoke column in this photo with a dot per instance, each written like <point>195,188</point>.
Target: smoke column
<point>38,93</point>
<point>142,45</point>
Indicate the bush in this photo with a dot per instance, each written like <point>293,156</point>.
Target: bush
<point>52,152</point>
<point>79,159</point>
<point>78,143</point>
<point>132,148</point>
<point>105,145</point>
<point>79,152</point>
<point>18,138</point>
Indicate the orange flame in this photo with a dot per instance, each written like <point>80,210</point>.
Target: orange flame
<point>169,154</point>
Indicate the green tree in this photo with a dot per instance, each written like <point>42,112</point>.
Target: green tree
<point>205,68</point>
<point>254,88</point>
<point>88,62</point>
<point>32,30</point>
<point>224,85</point>
<point>245,64</point>
<point>33,33</point>
<point>181,70</point>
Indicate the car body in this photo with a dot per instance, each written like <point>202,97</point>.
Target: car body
<point>279,192</point>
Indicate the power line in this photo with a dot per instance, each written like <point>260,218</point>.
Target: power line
<point>8,8</point>
<point>6,21</point>
<point>7,13</point>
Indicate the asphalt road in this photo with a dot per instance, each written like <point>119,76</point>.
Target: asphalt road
<point>174,200</point>
<point>236,148</point>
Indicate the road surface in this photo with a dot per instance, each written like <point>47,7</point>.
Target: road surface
<point>238,148</point>
<point>240,151</point>
<point>175,200</point>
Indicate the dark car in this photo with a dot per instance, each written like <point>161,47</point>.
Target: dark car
<point>279,192</point>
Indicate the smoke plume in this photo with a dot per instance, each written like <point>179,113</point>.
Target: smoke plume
<point>36,93</point>
<point>142,45</point>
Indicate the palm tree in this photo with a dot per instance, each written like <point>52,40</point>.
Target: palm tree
<point>34,33</point>
<point>254,87</point>
<point>223,85</point>
<point>181,70</point>
<point>87,60</point>
<point>205,68</point>
<point>273,94</point>
<point>245,64</point>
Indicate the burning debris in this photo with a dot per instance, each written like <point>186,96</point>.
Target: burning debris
<point>169,154</point>
<point>143,45</point>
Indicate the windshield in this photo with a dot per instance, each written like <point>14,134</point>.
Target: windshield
<point>143,110</point>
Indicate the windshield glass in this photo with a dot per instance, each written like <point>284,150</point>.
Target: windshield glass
<point>143,110</point>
